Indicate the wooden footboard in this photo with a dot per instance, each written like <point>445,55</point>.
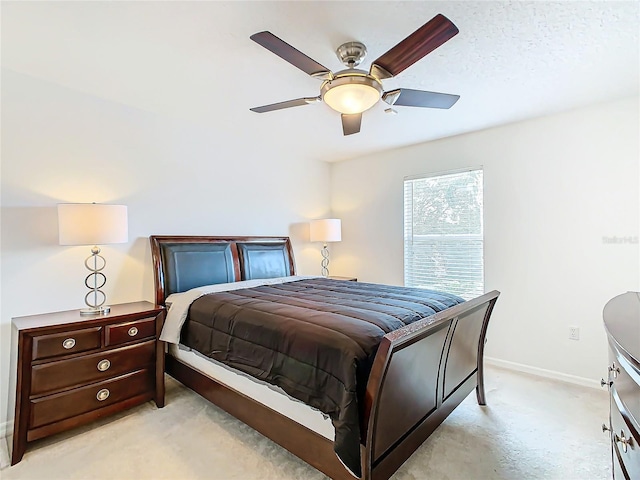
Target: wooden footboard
<point>420,374</point>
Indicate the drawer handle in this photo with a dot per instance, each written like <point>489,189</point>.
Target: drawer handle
<point>102,395</point>
<point>103,365</point>
<point>614,370</point>
<point>603,383</point>
<point>605,428</point>
<point>626,442</point>
<point>133,331</point>
<point>69,343</point>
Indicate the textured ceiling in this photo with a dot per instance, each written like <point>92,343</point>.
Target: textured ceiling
<point>194,61</point>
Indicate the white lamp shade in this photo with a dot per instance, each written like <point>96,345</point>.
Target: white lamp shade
<point>92,224</point>
<point>326,230</point>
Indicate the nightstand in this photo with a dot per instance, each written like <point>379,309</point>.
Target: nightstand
<point>69,370</point>
<point>347,279</point>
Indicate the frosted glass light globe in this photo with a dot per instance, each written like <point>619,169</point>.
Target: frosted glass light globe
<point>351,93</point>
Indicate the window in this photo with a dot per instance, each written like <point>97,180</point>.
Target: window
<point>443,233</point>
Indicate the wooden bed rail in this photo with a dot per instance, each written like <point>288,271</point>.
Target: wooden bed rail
<point>443,354</point>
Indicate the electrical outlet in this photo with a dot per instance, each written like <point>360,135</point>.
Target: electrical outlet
<point>574,333</point>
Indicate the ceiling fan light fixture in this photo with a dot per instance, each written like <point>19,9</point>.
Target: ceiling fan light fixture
<point>351,93</point>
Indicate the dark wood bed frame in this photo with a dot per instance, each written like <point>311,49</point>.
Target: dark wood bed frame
<point>420,373</point>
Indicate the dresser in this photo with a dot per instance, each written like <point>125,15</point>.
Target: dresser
<point>622,324</point>
<point>68,370</point>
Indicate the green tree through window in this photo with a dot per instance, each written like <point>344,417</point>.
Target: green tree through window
<point>443,233</point>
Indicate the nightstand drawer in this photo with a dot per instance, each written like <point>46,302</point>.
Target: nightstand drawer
<point>56,344</point>
<point>61,374</point>
<point>53,408</point>
<point>130,331</point>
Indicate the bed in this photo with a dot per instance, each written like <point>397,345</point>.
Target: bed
<point>417,373</point>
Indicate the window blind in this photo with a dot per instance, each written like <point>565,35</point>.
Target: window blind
<point>443,233</point>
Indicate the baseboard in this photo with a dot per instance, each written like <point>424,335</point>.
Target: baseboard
<point>541,372</point>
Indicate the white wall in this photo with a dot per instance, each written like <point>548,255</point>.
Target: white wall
<point>60,145</point>
<point>554,187</point>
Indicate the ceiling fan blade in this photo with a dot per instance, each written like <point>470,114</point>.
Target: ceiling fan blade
<point>351,123</point>
<point>419,98</point>
<point>424,40</point>
<point>289,103</point>
<point>295,57</point>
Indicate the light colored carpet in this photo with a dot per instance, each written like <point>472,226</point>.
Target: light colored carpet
<point>533,428</point>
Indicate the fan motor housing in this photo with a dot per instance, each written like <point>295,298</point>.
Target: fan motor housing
<point>351,53</point>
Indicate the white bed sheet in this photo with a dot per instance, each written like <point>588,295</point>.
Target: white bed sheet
<point>269,395</point>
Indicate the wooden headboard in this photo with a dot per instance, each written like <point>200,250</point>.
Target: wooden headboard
<point>181,263</point>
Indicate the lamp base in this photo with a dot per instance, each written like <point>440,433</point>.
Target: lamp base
<point>103,310</point>
<point>325,261</point>
<point>98,279</point>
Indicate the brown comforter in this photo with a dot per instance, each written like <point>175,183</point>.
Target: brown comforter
<point>316,339</point>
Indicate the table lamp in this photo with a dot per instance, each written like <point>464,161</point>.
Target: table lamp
<point>325,230</point>
<point>93,224</point>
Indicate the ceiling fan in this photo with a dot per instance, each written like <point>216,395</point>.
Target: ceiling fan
<point>351,92</point>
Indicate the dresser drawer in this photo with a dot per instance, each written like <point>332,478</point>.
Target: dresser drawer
<point>618,472</point>
<point>628,391</point>
<point>130,331</point>
<point>52,408</point>
<point>56,344</point>
<point>624,427</point>
<point>61,374</point>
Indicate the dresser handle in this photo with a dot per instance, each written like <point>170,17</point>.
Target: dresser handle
<point>69,343</point>
<point>133,331</point>
<point>102,395</point>
<point>103,365</point>
<point>626,442</point>
<point>615,370</point>
<point>603,383</point>
<point>605,428</point>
